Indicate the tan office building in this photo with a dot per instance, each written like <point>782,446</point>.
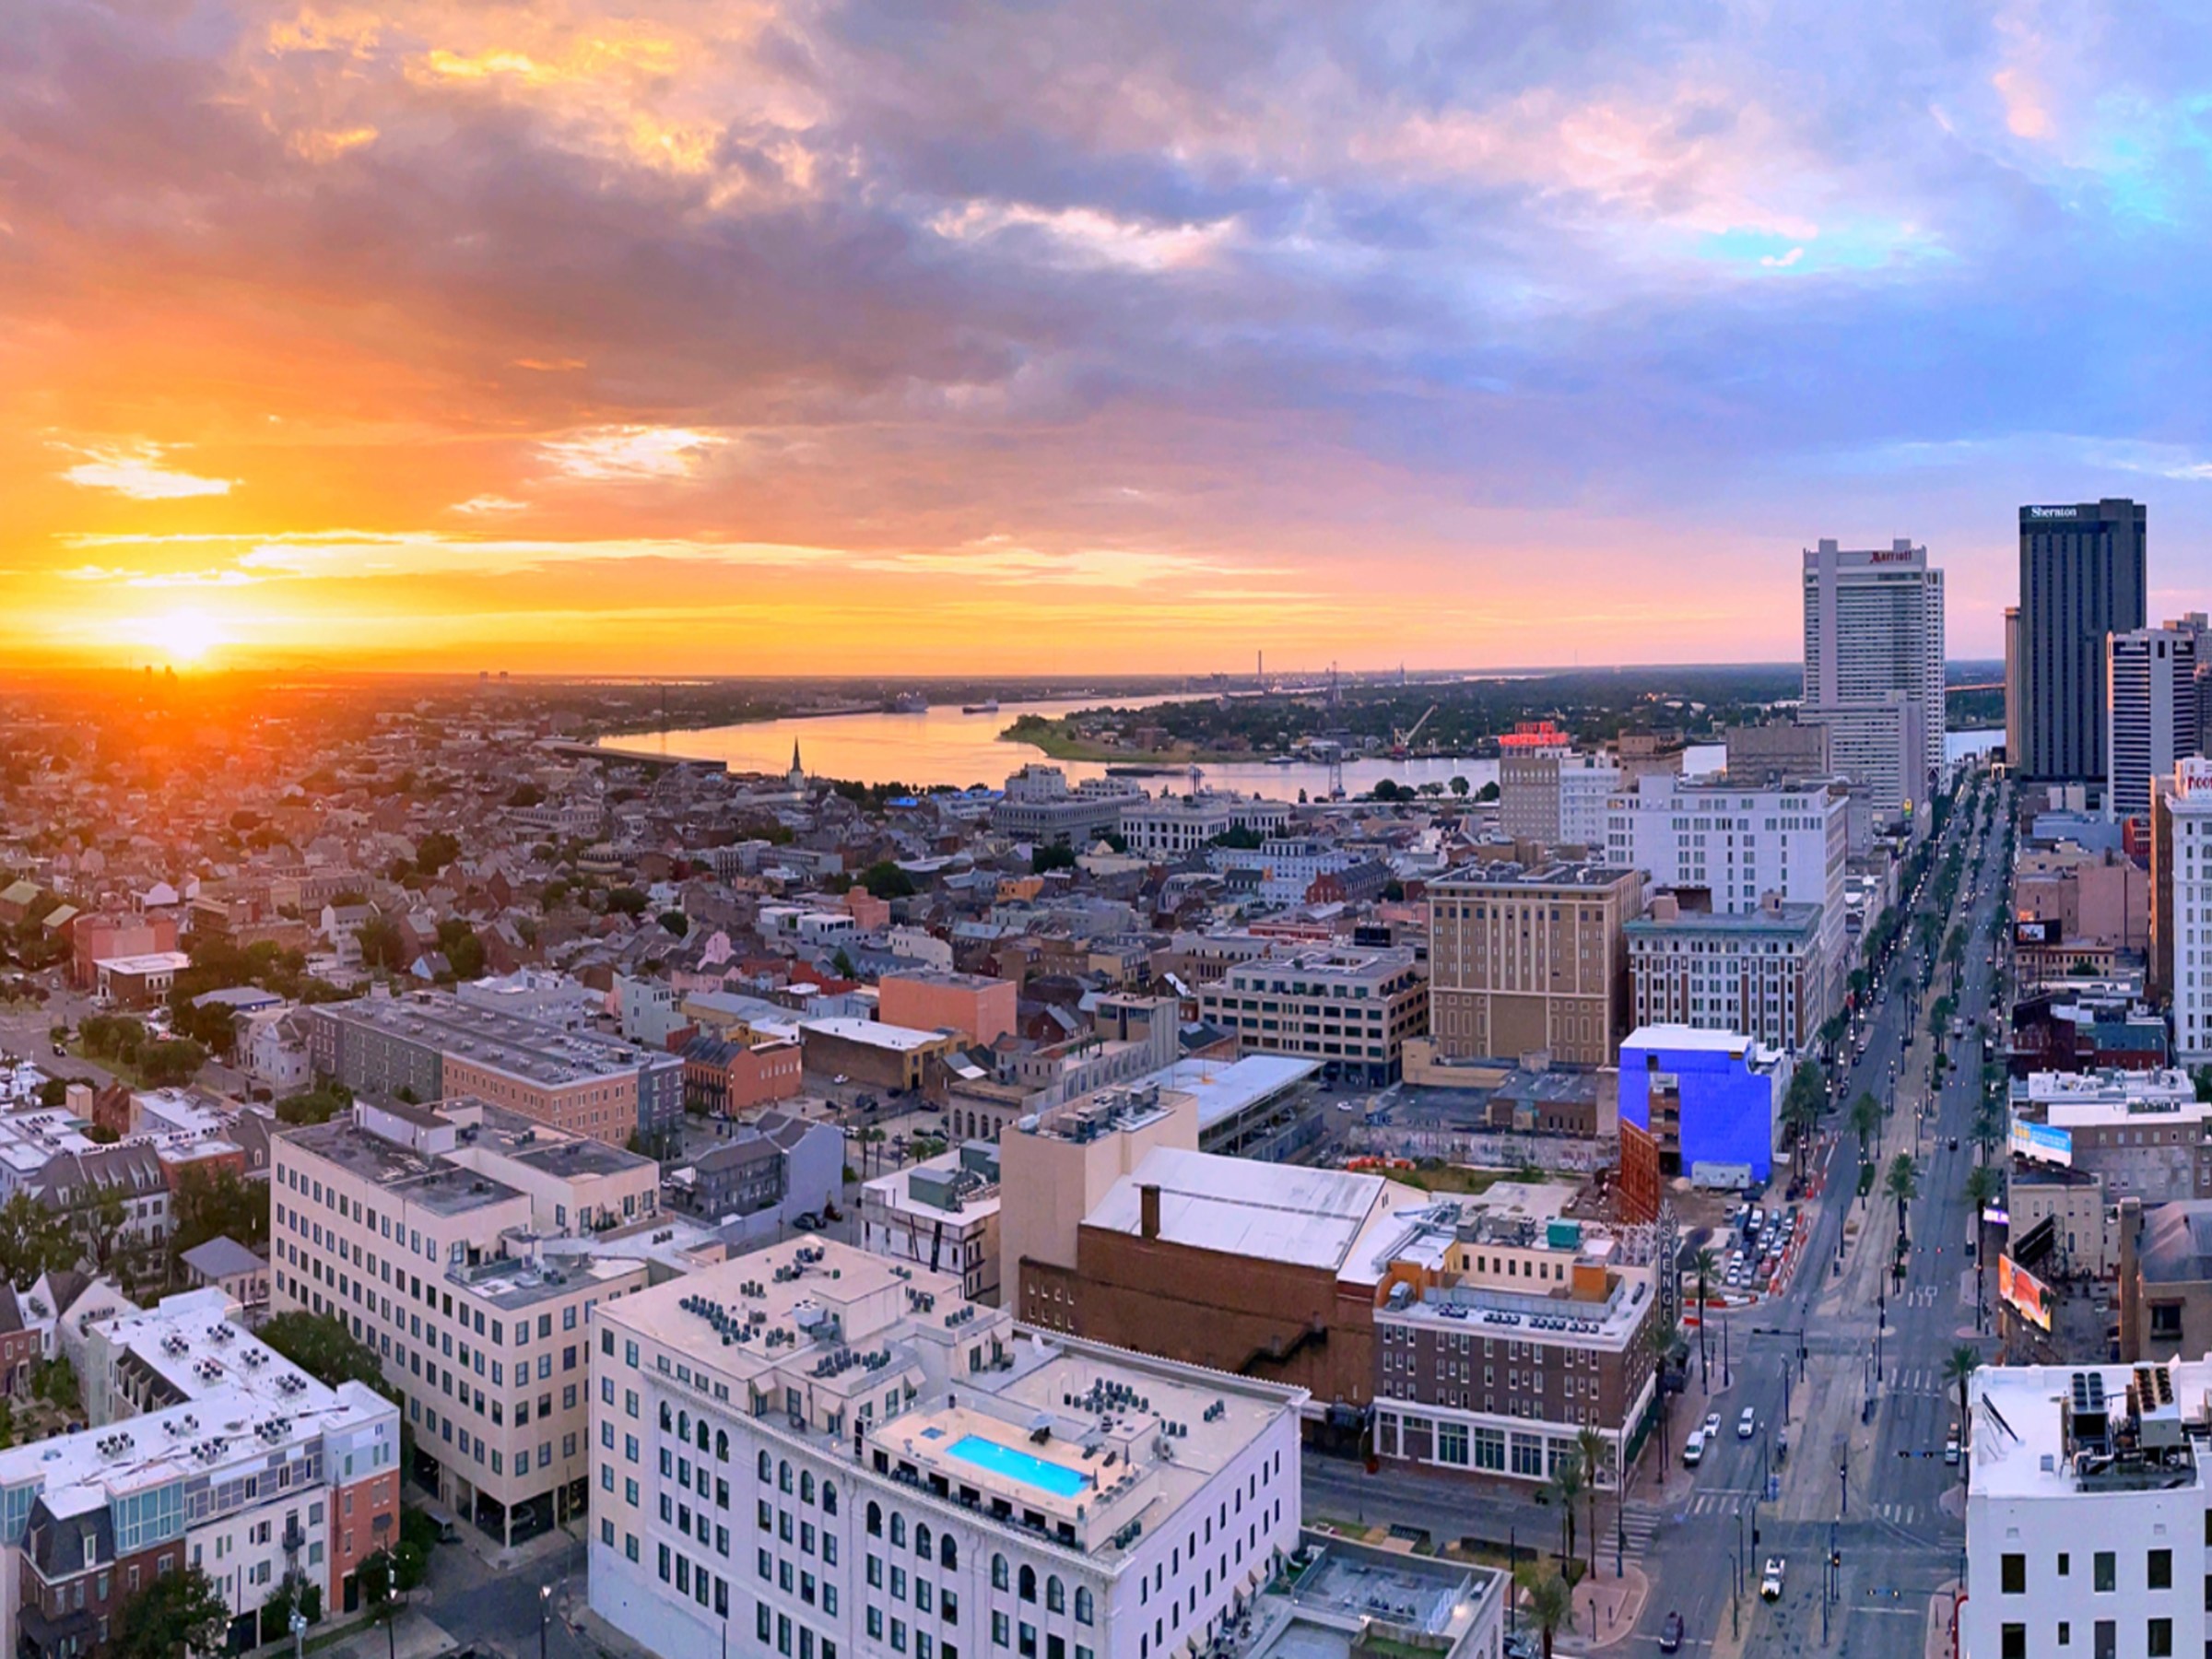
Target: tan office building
<point>1526,958</point>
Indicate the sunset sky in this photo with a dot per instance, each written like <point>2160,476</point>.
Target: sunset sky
<point>888,335</point>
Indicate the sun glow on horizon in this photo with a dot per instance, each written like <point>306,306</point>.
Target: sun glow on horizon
<point>187,634</point>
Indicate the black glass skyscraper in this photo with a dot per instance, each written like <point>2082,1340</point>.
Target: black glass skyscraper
<point>2082,578</point>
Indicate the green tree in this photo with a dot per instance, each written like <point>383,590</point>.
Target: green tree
<point>627,899</point>
<point>1595,1454</point>
<point>1565,1488</point>
<point>176,1610</point>
<point>320,1344</point>
<point>219,1204</point>
<point>462,950</point>
<point>1487,794</point>
<point>436,851</point>
<point>1866,1122</point>
<point>1660,1338</point>
<point>1046,857</point>
<point>886,880</point>
<point>170,1062</point>
<point>382,945</point>
<point>1460,787</point>
<point>1548,1601</point>
<point>1801,1107</point>
<point>675,921</point>
<point>315,1105</point>
<point>1902,1184</point>
<point>842,964</point>
<point>33,1239</point>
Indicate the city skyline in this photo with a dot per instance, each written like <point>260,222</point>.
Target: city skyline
<point>785,342</point>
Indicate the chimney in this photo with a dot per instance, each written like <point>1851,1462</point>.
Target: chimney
<point>1148,1210</point>
<point>1665,907</point>
<point>2130,1282</point>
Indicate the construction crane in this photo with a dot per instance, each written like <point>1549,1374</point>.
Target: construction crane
<point>1400,742</point>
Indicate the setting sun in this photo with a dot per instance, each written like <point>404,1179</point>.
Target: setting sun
<point>187,635</point>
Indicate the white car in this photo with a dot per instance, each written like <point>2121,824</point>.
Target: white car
<point>1747,1424</point>
<point>1770,1584</point>
<point>1712,1425</point>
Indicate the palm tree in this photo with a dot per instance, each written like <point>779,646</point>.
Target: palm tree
<point>1801,1107</point>
<point>1596,1455</point>
<point>1551,1601</point>
<point>1660,1337</point>
<point>1866,1122</point>
<point>1902,1184</point>
<point>1567,1485</point>
<point>1963,1363</point>
<point>1705,1263</point>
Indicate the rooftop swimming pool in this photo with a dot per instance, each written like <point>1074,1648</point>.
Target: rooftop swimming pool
<point>1018,1467</point>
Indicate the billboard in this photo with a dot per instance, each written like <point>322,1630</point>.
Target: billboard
<point>2042,1143</point>
<point>2035,931</point>
<point>2024,1293</point>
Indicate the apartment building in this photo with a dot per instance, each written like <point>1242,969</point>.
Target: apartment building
<point>976,1006</point>
<point>1499,1339</point>
<point>2086,1501</point>
<point>1350,1009</point>
<point>2139,1134</point>
<point>208,1450</point>
<point>1555,799</point>
<point>1740,845</point>
<point>1758,972</point>
<point>942,1214</point>
<point>2180,905</point>
<point>724,1077</point>
<point>811,1450</point>
<point>467,1245</point>
<point>1524,958</point>
<point>1170,826</point>
<point>427,1045</point>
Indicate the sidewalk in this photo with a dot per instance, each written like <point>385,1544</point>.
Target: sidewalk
<point>1607,1609</point>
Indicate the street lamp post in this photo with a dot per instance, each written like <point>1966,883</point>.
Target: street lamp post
<point>545,1616</point>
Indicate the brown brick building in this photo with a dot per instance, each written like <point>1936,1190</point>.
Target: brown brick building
<point>1262,1269</point>
<point>1525,958</point>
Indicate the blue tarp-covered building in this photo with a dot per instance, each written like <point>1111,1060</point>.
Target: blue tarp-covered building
<point>1711,1100</point>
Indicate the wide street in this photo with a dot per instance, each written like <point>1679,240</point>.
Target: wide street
<point>1877,1490</point>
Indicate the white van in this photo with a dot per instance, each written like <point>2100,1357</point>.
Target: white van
<point>1693,1449</point>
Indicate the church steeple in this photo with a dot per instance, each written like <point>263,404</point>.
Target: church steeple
<point>796,777</point>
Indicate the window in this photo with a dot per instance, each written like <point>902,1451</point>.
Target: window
<point>2014,1641</point>
<point>2107,1638</point>
<point>2160,1569</point>
<point>2104,1566</point>
<point>2157,1638</point>
<point>1083,1608</point>
<point>2013,1575</point>
<point>998,1573</point>
<point>1055,1595</point>
<point>1028,1582</point>
<point>875,1522</point>
<point>948,1553</point>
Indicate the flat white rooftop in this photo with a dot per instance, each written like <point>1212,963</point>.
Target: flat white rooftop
<point>1240,1207</point>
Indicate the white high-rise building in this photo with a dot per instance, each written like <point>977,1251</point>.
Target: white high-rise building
<point>2085,1512</point>
<point>1741,845</point>
<point>1874,625</point>
<point>816,1453</point>
<point>1880,745</point>
<point>2181,904</point>
<point>2150,711</point>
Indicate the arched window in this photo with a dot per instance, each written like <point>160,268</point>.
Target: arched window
<point>1028,1590</point>
<point>768,1468</point>
<point>702,1434</point>
<point>1056,1596</point>
<point>784,1478</point>
<point>875,1519</point>
<point>998,1573</point>
<point>722,1445</point>
<point>828,1497</point>
<point>1083,1612</point>
<point>948,1553</point>
<point>921,1539</point>
<point>667,1421</point>
<point>805,1485</point>
<point>898,1530</point>
<point>683,1425</point>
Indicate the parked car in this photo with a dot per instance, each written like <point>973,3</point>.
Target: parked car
<point>808,1221</point>
<point>1770,1584</point>
<point>1693,1449</point>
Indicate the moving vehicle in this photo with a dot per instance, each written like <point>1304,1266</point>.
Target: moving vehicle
<point>1693,1449</point>
<point>1950,1448</point>
<point>1746,1424</point>
<point>1712,1425</point>
<point>1670,1633</point>
<point>1770,1584</point>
